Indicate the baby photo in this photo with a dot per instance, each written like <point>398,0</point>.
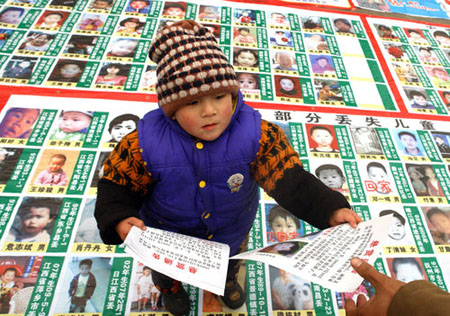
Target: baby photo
<point>87,231</point>
<point>72,126</point>
<point>408,143</point>
<point>19,68</point>
<point>406,269</point>
<point>91,23</point>
<point>122,48</point>
<point>284,61</point>
<point>366,141</point>
<point>36,42</point>
<point>245,36</point>
<point>80,45</point>
<point>113,74</point>
<point>281,224</point>
<point>34,220</point>
<point>289,292</point>
<point>8,160</point>
<point>442,141</point>
<point>248,83</point>
<point>18,122</point>
<point>279,20</point>
<point>208,13</point>
<point>246,58</point>
<point>438,221</point>
<point>51,20</point>
<point>315,42</point>
<point>18,275</point>
<point>322,138</point>
<point>287,87</point>
<point>67,70</point>
<point>12,16</point>
<point>174,10</point>
<point>399,232</point>
<point>82,288</point>
<point>55,168</point>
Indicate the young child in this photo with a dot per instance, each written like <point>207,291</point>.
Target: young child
<point>248,80</point>
<point>81,44</point>
<point>323,138</point>
<point>138,6</point>
<point>417,181</point>
<point>36,216</point>
<point>73,125</point>
<point>11,15</point>
<point>209,13</point>
<point>112,74</point>
<point>246,58</point>
<point>123,48</point>
<point>174,9</point>
<point>343,26</point>
<point>433,185</point>
<point>52,20</point>
<point>441,222</point>
<point>54,174</point>
<point>8,288</point>
<point>101,4</point>
<point>316,42</point>
<point>325,93</point>
<point>416,37</point>
<point>82,287</point>
<point>67,71</point>
<point>37,42</point>
<point>377,174</point>
<point>222,149</point>
<point>442,38</point>
<point>144,285</point>
<point>385,32</point>
<point>410,144</point>
<point>332,177</point>
<point>244,36</point>
<point>121,126</point>
<point>287,86</point>
<point>283,224</point>
<point>18,122</point>
<point>285,61</point>
<point>397,232</point>
<point>322,65</point>
<point>278,19</point>
<point>407,269</point>
<point>419,101</point>
<point>129,26</point>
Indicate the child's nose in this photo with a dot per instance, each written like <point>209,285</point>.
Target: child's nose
<point>208,109</point>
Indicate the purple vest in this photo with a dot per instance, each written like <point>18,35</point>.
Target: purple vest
<point>204,190</point>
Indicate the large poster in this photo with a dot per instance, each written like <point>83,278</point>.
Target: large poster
<point>426,8</point>
<point>383,166</point>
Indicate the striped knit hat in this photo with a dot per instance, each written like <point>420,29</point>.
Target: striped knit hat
<point>190,65</point>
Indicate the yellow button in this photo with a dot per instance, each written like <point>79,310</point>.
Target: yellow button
<point>202,184</point>
<point>199,145</point>
<point>207,216</point>
<point>210,236</point>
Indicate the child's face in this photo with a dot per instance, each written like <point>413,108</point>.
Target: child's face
<point>207,117</point>
<point>283,225</point>
<point>287,84</point>
<point>386,32</point>
<point>408,272</point>
<point>84,269</point>
<point>138,4</point>
<point>99,4</point>
<point>17,122</point>
<point>322,62</point>
<point>377,174</point>
<point>442,39</point>
<point>52,18</point>
<point>285,60</point>
<point>246,81</point>
<point>441,74</point>
<point>341,26</point>
<point>278,18</point>
<point>39,41</point>
<point>409,142</point>
<point>120,130</point>
<point>8,276</point>
<point>74,122</point>
<point>130,24</point>
<point>123,48</point>
<point>112,70</point>
<point>397,230</point>
<point>331,178</point>
<point>172,11</point>
<point>246,59</point>
<point>56,164</point>
<point>322,137</point>
<point>316,38</point>
<point>441,222</point>
<point>11,16</point>
<point>419,99</point>
<point>243,32</point>
<point>35,220</point>
<point>69,70</point>
<point>146,272</point>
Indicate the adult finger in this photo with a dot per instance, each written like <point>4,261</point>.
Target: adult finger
<point>368,272</point>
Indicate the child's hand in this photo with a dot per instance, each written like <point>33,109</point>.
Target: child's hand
<point>344,215</point>
<point>124,226</point>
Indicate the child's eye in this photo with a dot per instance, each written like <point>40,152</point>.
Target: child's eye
<point>192,103</point>
<point>220,96</point>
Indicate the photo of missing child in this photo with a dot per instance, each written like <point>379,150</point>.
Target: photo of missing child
<point>19,67</point>
<point>312,23</point>
<point>244,57</point>
<point>248,82</point>
<point>322,138</point>
<point>332,176</point>
<point>328,90</point>
<point>289,292</point>
<point>288,87</point>
<point>52,19</point>
<point>286,249</point>
<point>144,295</point>
<point>87,231</point>
<point>72,125</point>
<point>406,269</point>
<point>55,167</point>
<point>424,180</point>
<point>34,220</point>
<point>37,42</point>
<point>419,99</point>
<point>322,64</point>
<point>148,80</point>
<point>438,221</point>
<point>209,13</point>
<point>399,231</point>
<point>113,74</point>
<point>442,140</point>
<point>284,60</point>
<point>80,45</point>
<point>122,48</point>
<point>18,122</point>
<point>174,10</point>
<point>138,6</point>
<point>281,224</point>
<point>365,288</point>
<point>18,276</point>
<point>12,15</point>
<point>84,289</point>
<point>101,5</point>
<point>378,180</point>
<point>8,160</point>
<point>366,141</point>
<point>315,42</point>
<point>67,71</point>
<point>91,22</point>
<point>122,125</point>
<point>409,143</point>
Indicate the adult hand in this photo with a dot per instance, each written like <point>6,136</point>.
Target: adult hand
<point>124,226</point>
<point>344,215</point>
<point>385,289</point>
